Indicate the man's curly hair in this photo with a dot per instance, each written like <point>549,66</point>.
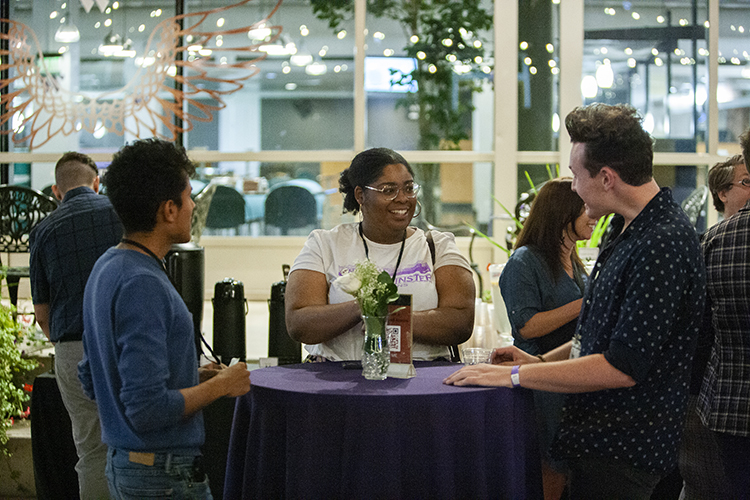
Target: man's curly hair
<point>142,175</point>
<point>614,137</point>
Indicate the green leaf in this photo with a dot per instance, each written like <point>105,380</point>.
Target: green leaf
<point>512,216</point>
<point>480,233</point>
<point>531,183</point>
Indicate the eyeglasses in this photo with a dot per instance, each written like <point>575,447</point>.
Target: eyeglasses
<point>390,192</point>
<point>744,182</point>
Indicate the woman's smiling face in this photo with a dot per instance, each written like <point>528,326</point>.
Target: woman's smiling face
<point>390,215</point>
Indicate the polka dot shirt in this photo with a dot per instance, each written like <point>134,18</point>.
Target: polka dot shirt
<point>642,309</point>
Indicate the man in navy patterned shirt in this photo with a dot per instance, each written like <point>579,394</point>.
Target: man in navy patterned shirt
<point>724,400</point>
<point>628,367</point>
<point>64,248</point>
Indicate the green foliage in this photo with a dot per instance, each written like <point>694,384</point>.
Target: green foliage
<point>596,235</point>
<point>12,366</point>
<point>447,32</point>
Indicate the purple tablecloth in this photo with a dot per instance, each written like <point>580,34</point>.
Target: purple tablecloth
<point>322,431</point>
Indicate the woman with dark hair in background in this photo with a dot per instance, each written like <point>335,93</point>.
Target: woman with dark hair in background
<point>542,286</point>
<point>379,185</point>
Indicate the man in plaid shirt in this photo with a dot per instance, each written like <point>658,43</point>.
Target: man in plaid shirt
<point>724,401</point>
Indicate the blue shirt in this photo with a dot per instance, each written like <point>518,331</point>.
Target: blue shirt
<point>528,287</point>
<point>642,309</point>
<point>64,248</point>
<point>139,352</point>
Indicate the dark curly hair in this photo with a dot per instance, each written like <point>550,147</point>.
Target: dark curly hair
<point>720,178</point>
<point>365,169</point>
<point>554,208</point>
<point>144,174</point>
<point>614,138</point>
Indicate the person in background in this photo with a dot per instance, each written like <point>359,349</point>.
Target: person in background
<point>542,285</point>
<point>627,379</point>
<point>140,362</point>
<point>729,184</point>
<point>700,461</point>
<point>379,184</point>
<point>724,399</point>
<point>64,248</point>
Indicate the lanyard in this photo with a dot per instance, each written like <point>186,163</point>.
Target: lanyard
<point>148,251</point>
<point>400,252</point>
<point>164,268</point>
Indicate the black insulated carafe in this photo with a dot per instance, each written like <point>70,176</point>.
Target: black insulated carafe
<point>230,309</point>
<point>280,344</point>
<point>185,265</point>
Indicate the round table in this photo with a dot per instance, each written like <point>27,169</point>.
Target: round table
<point>322,431</point>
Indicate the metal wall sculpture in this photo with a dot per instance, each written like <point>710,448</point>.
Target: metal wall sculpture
<point>147,105</point>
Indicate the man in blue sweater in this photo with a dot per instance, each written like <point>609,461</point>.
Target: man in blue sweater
<point>140,360</point>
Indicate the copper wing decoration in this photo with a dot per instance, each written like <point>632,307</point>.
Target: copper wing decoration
<point>147,105</point>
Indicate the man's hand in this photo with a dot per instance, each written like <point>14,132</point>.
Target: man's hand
<point>208,371</point>
<point>235,379</point>
<point>481,374</point>
<point>509,356</point>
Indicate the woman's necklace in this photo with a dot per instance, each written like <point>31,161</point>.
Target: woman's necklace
<point>400,252</point>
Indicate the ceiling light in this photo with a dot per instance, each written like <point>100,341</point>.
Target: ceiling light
<point>259,33</point>
<point>67,33</point>
<point>301,58</point>
<point>605,77</point>
<point>316,68</point>
<point>127,49</point>
<point>111,45</point>
<point>589,87</point>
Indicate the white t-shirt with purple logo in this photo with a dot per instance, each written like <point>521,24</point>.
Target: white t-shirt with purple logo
<point>332,251</point>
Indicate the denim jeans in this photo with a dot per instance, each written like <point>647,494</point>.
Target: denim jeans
<point>171,476</point>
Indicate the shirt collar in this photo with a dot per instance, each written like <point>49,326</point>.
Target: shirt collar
<point>77,191</point>
<point>645,217</point>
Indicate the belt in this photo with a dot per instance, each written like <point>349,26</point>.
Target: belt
<point>197,472</point>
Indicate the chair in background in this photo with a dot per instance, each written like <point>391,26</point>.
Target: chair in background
<point>200,213</point>
<point>290,207</point>
<point>226,211</point>
<point>694,205</point>
<point>21,209</point>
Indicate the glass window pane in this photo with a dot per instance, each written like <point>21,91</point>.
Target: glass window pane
<point>734,76</point>
<point>652,56</point>
<point>538,76</point>
<point>428,82</point>
<point>302,96</point>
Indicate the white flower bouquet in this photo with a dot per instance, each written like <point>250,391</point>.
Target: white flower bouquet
<point>372,288</point>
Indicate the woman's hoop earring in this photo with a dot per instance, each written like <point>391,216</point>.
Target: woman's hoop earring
<point>419,205</point>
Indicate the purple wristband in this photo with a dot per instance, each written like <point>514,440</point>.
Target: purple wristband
<point>514,377</point>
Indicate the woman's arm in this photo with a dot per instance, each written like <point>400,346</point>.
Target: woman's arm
<point>453,319</point>
<point>310,319</point>
<point>545,322</point>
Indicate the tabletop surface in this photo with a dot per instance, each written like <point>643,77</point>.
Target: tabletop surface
<point>333,379</point>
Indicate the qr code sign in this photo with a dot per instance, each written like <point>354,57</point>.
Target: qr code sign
<point>394,337</point>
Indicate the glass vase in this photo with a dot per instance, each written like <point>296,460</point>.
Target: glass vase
<point>376,355</point>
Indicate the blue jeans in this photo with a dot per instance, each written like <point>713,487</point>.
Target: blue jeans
<point>171,476</point>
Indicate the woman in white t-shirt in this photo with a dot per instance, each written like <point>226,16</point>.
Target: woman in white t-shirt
<point>380,185</point>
